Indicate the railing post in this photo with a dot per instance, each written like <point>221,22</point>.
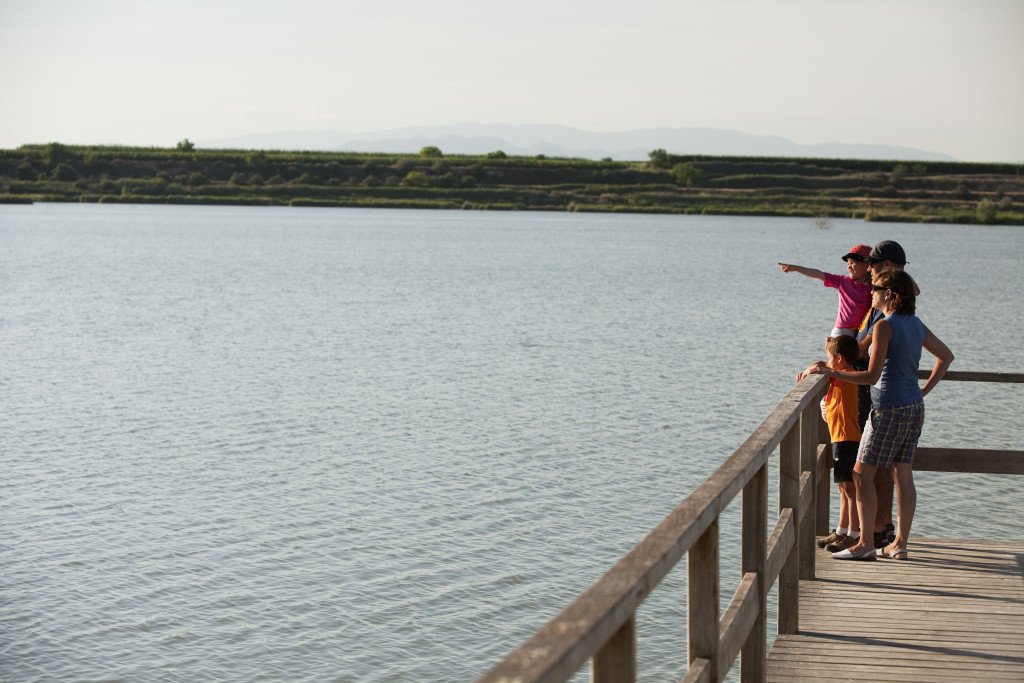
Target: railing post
<point>823,490</point>
<point>702,602</point>
<point>754,556</point>
<point>616,661</point>
<point>809,419</point>
<point>789,497</point>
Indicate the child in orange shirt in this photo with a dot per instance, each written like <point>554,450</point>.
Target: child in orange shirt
<point>839,408</point>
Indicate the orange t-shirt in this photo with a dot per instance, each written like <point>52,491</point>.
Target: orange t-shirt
<point>841,411</point>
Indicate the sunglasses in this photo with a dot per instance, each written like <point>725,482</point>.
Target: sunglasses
<point>876,288</point>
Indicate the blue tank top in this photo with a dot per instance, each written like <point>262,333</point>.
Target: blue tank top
<point>898,385</point>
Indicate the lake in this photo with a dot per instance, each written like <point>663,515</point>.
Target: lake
<point>294,444</point>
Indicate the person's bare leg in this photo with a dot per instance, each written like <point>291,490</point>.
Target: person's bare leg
<point>906,503</point>
<point>863,477</point>
<point>883,494</point>
<point>848,496</point>
<point>844,509</point>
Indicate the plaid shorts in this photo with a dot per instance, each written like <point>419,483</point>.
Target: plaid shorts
<point>891,434</point>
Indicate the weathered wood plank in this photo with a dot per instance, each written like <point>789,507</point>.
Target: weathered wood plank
<point>754,560</point>
<point>738,619</point>
<point>779,544</point>
<point>822,649</point>
<point>882,670</point>
<point>823,477</point>
<point>940,613</point>
<point>806,496</point>
<point>969,460</point>
<point>699,672</point>
<point>953,612</point>
<point>789,498</point>
<point>965,376</point>
<point>876,666</point>
<point>806,527</point>
<point>616,661</point>
<point>702,606</point>
<point>810,418</point>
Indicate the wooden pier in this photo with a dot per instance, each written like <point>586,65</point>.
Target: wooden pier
<point>953,612</point>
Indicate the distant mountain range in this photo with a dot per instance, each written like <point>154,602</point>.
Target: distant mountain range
<point>564,141</point>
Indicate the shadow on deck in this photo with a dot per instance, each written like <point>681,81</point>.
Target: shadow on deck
<point>953,612</point>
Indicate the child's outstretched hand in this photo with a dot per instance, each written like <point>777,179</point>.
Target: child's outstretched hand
<point>809,272</point>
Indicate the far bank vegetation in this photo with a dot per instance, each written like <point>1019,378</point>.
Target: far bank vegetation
<point>664,183</point>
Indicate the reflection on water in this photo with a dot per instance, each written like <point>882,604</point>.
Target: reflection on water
<point>388,445</point>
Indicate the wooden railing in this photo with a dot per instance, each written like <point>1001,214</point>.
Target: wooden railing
<point>600,624</point>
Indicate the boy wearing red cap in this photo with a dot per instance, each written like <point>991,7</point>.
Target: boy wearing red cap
<point>854,289</point>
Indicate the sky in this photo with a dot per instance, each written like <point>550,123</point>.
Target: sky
<point>944,76</point>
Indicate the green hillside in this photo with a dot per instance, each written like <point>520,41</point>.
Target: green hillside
<point>664,183</point>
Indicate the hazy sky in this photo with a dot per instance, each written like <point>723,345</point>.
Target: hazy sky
<point>942,75</point>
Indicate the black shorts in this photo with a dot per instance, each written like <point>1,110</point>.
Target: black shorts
<point>863,404</point>
<point>844,457</point>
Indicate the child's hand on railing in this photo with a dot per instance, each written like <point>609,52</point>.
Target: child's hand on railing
<point>814,369</point>
<point>817,368</point>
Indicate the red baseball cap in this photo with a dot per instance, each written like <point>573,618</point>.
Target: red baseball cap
<point>859,253</point>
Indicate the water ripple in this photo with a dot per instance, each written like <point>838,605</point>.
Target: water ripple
<point>237,448</point>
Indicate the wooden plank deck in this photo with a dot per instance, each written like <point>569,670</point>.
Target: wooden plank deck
<point>953,612</point>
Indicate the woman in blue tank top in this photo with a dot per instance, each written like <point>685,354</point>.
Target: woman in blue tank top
<point>897,409</point>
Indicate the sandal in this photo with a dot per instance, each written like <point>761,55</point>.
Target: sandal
<point>847,555</point>
<point>894,553</point>
<point>885,536</point>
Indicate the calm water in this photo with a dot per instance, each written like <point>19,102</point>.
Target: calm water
<point>371,445</point>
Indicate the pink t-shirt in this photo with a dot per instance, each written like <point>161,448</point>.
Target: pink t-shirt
<point>854,299</point>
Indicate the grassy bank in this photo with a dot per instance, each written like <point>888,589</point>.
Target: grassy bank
<point>855,188</point>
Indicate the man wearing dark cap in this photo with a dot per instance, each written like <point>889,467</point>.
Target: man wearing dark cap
<point>886,255</point>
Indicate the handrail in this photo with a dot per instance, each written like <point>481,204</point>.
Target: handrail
<point>967,376</point>
<point>599,624</point>
<point>580,632</point>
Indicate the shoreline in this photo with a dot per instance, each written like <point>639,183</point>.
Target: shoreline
<point>937,192</point>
